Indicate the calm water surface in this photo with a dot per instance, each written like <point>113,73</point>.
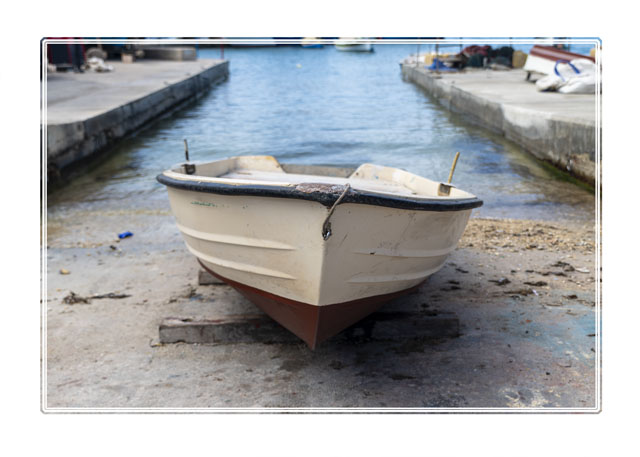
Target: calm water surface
<point>322,106</point>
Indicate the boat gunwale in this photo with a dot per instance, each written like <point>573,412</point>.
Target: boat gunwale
<point>324,197</point>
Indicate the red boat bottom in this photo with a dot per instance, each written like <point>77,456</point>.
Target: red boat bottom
<point>313,324</point>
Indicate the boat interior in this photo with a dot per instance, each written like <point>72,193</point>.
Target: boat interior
<point>266,170</point>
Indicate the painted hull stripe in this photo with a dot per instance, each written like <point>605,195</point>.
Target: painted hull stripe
<point>325,198</point>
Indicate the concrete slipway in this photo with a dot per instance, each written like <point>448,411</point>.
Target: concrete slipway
<point>88,112</point>
<point>558,128</point>
<point>519,293</point>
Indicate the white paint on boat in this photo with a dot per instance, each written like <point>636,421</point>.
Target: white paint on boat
<point>538,64</point>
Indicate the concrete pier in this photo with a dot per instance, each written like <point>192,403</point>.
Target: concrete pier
<point>88,112</point>
<point>557,128</point>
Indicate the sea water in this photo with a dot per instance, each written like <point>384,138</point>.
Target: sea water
<point>323,106</point>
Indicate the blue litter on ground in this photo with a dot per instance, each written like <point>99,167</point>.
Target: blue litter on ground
<point>124,235</point>
<point>439,65</point>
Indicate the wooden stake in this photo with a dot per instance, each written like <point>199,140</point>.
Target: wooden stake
<point>189,168</point>
<point>453,167</point>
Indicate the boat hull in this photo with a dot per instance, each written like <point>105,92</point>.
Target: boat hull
<point>317,248</point>
<point>273,251</point>
<point>312,324</point>
<point>542,59</point>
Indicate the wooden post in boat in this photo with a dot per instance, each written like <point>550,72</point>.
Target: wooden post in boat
<point>189,168</point>
<point>444,189</point>
<point>453,167</point>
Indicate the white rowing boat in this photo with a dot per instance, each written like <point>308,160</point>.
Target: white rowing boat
<point>316,247</point>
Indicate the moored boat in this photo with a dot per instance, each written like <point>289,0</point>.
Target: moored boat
<point>244,42</point>
<point>543,59</point>
<point>317,248</point>
<point>352,45</point>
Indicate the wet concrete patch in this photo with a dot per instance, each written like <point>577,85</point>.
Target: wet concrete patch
<point>401,377</point>
<point>293,365</point>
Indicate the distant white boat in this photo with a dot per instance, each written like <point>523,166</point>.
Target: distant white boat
<point>352,45</point>
<point>311,43</point>
<point>252,42</point>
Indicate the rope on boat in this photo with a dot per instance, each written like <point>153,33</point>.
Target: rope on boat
<point>326,227</point>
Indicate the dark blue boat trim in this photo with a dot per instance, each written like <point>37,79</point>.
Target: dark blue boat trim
<point>321,193</point>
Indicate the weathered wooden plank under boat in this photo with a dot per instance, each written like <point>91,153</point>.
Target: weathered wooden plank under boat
<point>317,248</point>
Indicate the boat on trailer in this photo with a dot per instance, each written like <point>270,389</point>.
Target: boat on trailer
<point>317,248</point>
